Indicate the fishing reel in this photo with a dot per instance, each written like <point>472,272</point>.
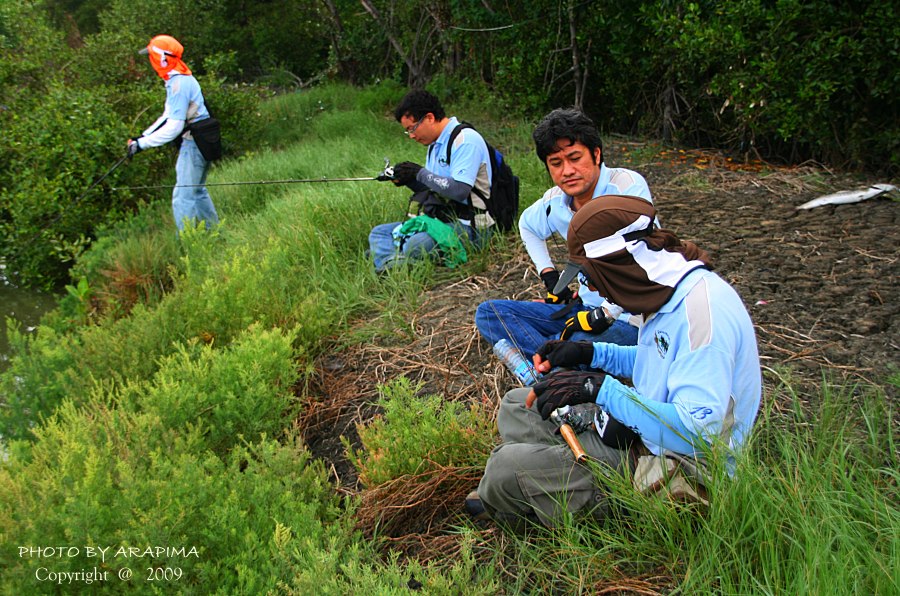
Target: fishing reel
<point>387,173</point>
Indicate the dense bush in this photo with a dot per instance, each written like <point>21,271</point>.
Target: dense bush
<point>790,79</point>
<point>787,79</point>
<point>112,479</point>
<point>418,434</point>
<point>179,460</point>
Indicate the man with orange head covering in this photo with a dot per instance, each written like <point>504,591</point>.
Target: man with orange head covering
<point>184,107</point>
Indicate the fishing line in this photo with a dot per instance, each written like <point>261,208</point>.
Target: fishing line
<point>249,183</point>
<point>74,203</point>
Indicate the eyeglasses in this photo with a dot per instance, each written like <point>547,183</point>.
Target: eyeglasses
<point>415,126</point>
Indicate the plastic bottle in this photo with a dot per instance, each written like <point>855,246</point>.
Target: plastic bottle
<point>516,363</point>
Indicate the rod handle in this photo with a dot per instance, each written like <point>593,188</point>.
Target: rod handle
<point>574,444</point>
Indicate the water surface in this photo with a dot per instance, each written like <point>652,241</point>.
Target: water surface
<point>23,306</point>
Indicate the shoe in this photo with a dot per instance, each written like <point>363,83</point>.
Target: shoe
<point>475,508</point>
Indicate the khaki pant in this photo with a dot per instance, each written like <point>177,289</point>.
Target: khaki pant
<point>533,473</point>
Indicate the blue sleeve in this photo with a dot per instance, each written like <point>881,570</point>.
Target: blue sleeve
<point>614,359</point>
<point>534,219</point>
<point>657,422</point>
<point>445,186</point>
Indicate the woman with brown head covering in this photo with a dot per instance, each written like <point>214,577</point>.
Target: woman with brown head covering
<point>695,370</point>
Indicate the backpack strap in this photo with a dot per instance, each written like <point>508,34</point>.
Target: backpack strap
<point>455,133</point>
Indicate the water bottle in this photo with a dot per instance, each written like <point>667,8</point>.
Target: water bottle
<point>516,363</point>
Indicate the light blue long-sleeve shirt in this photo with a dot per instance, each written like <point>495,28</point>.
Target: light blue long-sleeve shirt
<point>695,370</point>
<point>184,103</point>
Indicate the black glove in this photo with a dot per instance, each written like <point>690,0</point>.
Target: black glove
<point>612,432</point>
<point>550,278</point>
<point>566,388</point>
<point>567,354</point>
<point>405,172</point>
<point>589,321</point>
<point>134,147</point>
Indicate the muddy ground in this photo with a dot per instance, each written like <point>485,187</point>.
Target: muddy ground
<point>820,285</point>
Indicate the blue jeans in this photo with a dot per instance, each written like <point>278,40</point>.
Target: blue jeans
<point>417,246</point>
<point>528,325</point>
<point>192,202</point>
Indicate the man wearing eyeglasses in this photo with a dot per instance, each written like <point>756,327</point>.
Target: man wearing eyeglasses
<point>448,192</point>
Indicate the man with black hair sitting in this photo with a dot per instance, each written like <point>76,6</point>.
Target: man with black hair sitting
<point>447,192</point>
<point>569,145</point>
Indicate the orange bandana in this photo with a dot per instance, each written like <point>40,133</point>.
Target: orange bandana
<point>165,56</point>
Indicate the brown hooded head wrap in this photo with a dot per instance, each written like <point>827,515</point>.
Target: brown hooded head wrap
<point>612,241</point>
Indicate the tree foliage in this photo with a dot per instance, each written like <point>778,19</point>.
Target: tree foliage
<point>788,80</point>
<point>784,79</point>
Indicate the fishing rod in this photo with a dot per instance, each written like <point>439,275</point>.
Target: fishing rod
<point>101,179</point>
<point>386,174</point>
<point>249,183</point>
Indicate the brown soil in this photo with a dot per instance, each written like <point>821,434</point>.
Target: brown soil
<point>820,285</point>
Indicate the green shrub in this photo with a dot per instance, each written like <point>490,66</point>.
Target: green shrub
<point>351,567</point>
<point>416,434</point>
<point>244,390</point>
<point>104,478</point>
<point>175,461</point>
<point>50,159</point>
<point>793,79</point>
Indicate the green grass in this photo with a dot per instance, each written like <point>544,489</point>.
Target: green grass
<point>814,508</point>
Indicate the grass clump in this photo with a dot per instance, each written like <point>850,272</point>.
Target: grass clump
<point>419,459</point>
<point>417,434</point>
<point>812,509</point>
